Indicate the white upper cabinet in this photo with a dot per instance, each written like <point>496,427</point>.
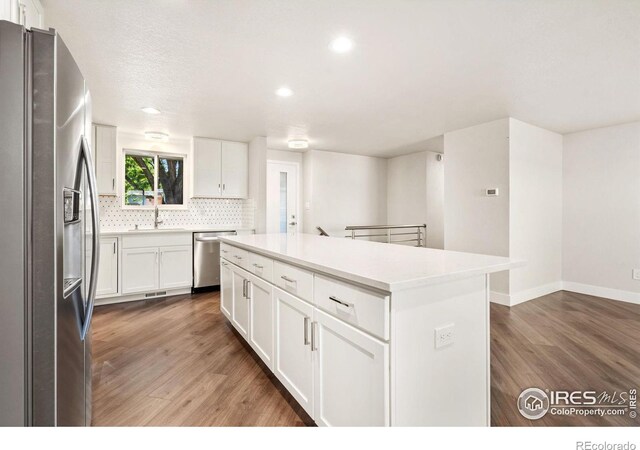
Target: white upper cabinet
<point>235,169</point>
<point>104,148</point>
<point>207,159</point>
<point>220,169</point>
<point>28,13</point>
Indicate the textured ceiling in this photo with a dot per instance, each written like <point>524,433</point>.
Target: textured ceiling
<point>418,69</point>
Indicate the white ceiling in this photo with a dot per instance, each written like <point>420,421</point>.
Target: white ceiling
<point>418,69</point>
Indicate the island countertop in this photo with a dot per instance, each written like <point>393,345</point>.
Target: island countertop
<point>389,267</point>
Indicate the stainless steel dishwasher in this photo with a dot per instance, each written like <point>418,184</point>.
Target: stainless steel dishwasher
<point>206,258</point>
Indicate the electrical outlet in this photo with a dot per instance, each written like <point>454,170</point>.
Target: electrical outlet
<point>635,273</point>
<point>445,335</point>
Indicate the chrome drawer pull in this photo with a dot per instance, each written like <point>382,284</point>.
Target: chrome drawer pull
<point>237,257</point>
<point>306,331</point>
<point>287,279</point>
<point>348,305</point>
<point>258,266</point>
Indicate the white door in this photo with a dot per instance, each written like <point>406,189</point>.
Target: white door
<point>226,289</point>
<point>349,365</point>
<point>206,168</point>
<point>105,149</point>
<point>108,268</point>
<point>235,169</point>
<point>240,309</point>
<point>293,358</point>
<point>175,267</point>
<point>282,197</point>
<point>139,270</point>
<point>261,319</point>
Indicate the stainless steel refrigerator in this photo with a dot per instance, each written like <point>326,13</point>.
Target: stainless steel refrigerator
<point>49,233</point>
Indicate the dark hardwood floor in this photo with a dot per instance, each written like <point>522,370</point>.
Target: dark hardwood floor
<point>563,341</point>
<point>177,361</point>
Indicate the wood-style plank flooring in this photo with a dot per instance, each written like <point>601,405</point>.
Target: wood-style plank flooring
<point>178,362</point>
<point>563,341</point>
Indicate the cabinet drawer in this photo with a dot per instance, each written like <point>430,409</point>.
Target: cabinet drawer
<point>294,280</point>
<point>362,308</point>
<point>237,256</point>
<point>261,266</point>
<point>157,239</point>
<point>226,251</point>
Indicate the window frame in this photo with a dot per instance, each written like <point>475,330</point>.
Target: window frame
<point>156,155</point>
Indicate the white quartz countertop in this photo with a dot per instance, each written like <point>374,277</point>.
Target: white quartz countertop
<point>389,267</point>
<point>190,229</point>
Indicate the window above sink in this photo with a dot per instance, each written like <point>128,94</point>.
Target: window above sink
<point>153,179</point>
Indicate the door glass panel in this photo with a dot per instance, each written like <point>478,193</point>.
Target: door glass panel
<point>170,180</point>
<point>283,202</point>
<point>139,180</point>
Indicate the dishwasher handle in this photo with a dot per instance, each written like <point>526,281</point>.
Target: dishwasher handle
<point>207,239</point>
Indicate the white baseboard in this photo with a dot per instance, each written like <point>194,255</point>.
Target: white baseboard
<point>500,298</point>
<point>598,291</point>
<point>538,291</point>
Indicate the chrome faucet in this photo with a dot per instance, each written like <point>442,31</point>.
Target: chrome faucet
<point>156,222</point>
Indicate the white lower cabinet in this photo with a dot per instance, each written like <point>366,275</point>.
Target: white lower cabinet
<point>139,270</point>
<point>226,289</point>
<point>240,307</point>
<point>261,319</point>
<point>351,375</point>
<point>294,359</point>
<point>108,267</point>
<point>336,372</point>
<point>175,267</point>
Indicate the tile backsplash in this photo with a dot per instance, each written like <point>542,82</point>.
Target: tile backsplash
<point>200,211</point>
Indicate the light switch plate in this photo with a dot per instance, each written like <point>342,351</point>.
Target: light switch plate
<point>635,273</point>
<point>445,335</point>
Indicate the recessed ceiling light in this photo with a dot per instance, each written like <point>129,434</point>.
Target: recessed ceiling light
<point>284,92</point>
<point>341,44</point>
<point>150,110</point>
<point>156,136</point>
<point>298,143</point>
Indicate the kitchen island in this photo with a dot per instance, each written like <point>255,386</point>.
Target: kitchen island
<point>365,333</point>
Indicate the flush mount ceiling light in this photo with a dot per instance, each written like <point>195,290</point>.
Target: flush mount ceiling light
<point>284,92</point>
<point>341,44</point>
<point>298,143</point>
<point>150,110</point>
<point>156,136</point>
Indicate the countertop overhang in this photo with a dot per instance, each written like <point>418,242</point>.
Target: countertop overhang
<point>388,267</point>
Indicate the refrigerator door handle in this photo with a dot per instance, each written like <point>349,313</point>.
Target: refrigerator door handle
<point>95,236</point>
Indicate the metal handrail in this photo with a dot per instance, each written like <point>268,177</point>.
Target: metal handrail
<point>420,233</point>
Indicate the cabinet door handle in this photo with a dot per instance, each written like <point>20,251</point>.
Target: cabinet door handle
<point>248,296</point>
<point>114,248</point>
<point>113,184</point>
<point>244,288</point>
<point>224,187</point>
<point>306,331</point>
<point>287,279</point>
<point>314,343</point>
<point>332,298</point>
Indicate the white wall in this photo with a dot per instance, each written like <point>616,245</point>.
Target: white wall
<point>415,193</point>
<point>535,210</point>
<point>407,189</point>
<point>477,158</point>
<point>258,182</point>
<point>435,200</point>
<point>601,214</point>
<point>341,190</point>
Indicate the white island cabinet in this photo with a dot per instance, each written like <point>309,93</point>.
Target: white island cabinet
<point>363,333</point>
